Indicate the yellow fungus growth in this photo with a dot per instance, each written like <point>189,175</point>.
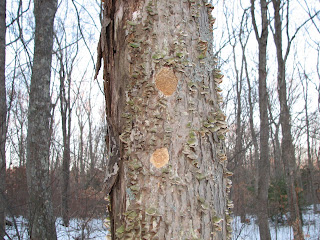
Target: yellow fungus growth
<point>166,81</point>
<point>160,157</point>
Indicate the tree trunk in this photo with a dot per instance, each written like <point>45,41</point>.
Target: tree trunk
<point>65,109</point>
<point>311,181</point>
<point>252,130</point>
<point>3,117</point>
<point>41,219</point>
<point>287,148</point>
<point>238,166</point>
<point>264,163</point>
<point>166,171</point>
<point>80,157</point>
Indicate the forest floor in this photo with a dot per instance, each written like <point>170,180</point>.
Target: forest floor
<point>78,229</point>
<point>250,230</point>
<point>94,228</point>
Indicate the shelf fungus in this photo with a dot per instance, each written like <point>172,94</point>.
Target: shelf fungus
<point>166,81</point>
<point>222,157</point>
<point>160,157</point>
<point>217,219</point>
<point>227,174</point>
<point>202,46</point>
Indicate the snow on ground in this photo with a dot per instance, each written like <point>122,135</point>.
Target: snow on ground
<point>80,229</point>
<point>94,229</point>
<point>250,230</point>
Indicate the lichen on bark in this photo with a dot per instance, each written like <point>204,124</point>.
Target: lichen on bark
<point>151,57</point>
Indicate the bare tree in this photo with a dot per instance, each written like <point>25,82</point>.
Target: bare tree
<point>66,58</point>
<point>167,170</point>
<point>41,219</point>
<point>305,85</point>
<point>19,115</point>
<point>264,163</point>
<point>3,117</point>
<point>81,125</point>
<point>237,35</point>
<point>287,147</point>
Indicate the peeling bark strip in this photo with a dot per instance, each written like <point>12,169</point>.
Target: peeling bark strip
<point>162,99</point>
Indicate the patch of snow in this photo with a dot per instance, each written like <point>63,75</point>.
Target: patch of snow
<point>250,229</point>
<point>78,229</point>
<point>94,228</point>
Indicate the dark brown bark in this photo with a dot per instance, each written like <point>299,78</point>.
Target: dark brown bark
<point>287,147</point>
<point>41,219</point>
<point>264,163</point>
<point>3,116</point>
<point>167,169</point>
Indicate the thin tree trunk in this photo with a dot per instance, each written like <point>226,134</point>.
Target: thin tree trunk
<point>312,191</point>
<point>41,219</point>
<point>80,157</point>
<point>166,129</point>
<point>278,165</point>
<point>264,163</point>
<point>3,117</point>
<point>277,158</point>
<point>287,148</point>
<point>239,163</point>
<point>252,130</point>
<point>65,109</point>
<point>90,139</point>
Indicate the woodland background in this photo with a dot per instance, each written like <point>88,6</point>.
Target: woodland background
<point>80,99</point>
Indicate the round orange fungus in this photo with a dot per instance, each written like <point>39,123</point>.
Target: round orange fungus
<point>166,81</point>
<point>160,157</point>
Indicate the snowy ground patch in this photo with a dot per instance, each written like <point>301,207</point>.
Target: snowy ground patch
<point>78,229</point>
<point>94,229</point>
<point>250,229</point>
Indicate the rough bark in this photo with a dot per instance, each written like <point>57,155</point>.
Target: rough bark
<point>167,170</point>
<point>41,219</point>
<point>3,116</point>
<point>264,163</point>
<point>287,147</point>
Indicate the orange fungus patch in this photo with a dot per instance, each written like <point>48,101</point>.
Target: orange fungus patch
<point>166,81</point>
<point>160,157</point>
